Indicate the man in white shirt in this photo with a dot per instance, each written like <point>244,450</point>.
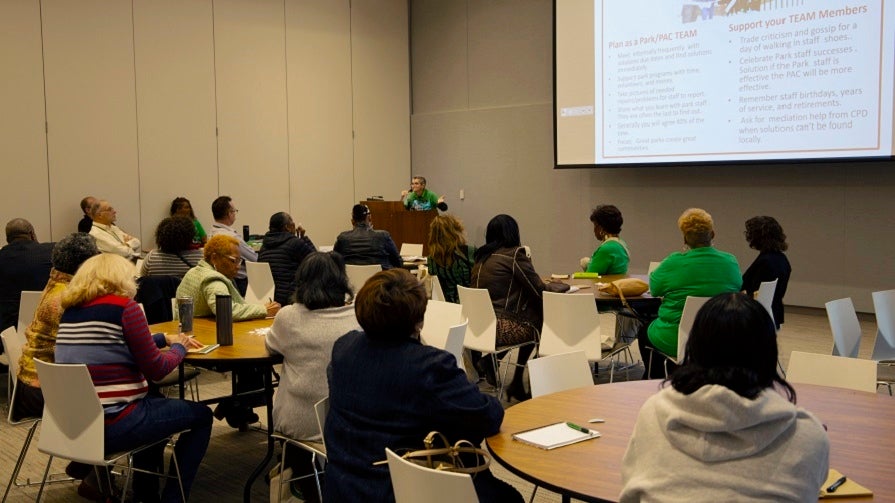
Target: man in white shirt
<point>224,214</point>
<point>109,238</point>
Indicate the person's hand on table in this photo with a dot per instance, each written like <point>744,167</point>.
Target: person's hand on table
<point>440,200</point>
<point>272,307</point>
<point>183,339</point>
<point>404,193</point>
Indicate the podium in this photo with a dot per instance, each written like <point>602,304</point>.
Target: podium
<point>405,226</point>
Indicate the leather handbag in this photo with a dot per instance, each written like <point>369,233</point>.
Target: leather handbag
<point>439,454</point>
<point>630,287</point>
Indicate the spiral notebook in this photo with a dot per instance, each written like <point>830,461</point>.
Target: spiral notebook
<point>554,435</point>
<point>848,489</point>
<point>204,350</point>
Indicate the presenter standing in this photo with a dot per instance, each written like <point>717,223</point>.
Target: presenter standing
<point>419,198</point>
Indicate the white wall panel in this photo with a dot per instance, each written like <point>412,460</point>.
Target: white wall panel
<point>318,49</point>
<point>174,59</point>
<point>381,82</point>
<point>250,61</point>
<point>23,147</point>
<point>91,109</point>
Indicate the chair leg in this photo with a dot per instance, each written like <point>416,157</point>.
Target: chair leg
<point>21,459</point>
<point>535,491</point>
<point>282,474</point>
<point>497,374</point>
<point>43,481</point>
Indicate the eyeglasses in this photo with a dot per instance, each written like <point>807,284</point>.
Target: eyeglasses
<point>235,260</point>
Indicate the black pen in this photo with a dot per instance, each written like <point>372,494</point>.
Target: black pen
<point>576,427</point>
<point>835,485</point>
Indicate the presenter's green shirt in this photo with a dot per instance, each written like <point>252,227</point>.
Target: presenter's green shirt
<point>611,257</point>
<point>699,272</point>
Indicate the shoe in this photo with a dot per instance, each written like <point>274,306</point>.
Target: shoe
<point>78,471</point>
<point>241,418</point>
<point>485,368</point>
<point>517,392</point>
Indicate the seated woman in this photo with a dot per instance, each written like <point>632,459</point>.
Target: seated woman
<point>450,258</point>
<point>99,300</point>
<point>765,235</point>
<point>728,433</point>
<point>304,333</point>
<point>699,271</point>
<point>386,389</point>
<point>211,277</point>
<point>181,206</point>
<point>504,267</point>
<point>611,257</point>
<point>174,255</point>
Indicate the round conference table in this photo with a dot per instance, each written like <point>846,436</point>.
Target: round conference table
<point>861,428</point>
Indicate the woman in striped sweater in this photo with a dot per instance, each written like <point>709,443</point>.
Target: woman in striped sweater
<point>105,329</point>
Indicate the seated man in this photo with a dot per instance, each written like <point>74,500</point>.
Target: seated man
<point>420,198</point>
<point>109,237</point>
<point>86,222</point>
<point>24,265</point>
<point>224,214</point>
<point>365,246</point>
<point>284,247</point>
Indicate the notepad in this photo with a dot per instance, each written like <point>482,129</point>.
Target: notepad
<point>559,276</point>
<point>848,489</point>
<point>204,350</point>
<point>553,436</point>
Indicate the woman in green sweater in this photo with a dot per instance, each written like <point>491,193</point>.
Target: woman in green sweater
<point>699,271</point>
<point>611,257</point>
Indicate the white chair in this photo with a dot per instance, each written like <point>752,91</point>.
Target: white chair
<point>359,274</point>
<point>411,250</point>
<point>481,332</point>
<point>572,323</point>
<point>845,326</point>
<point>688,315</point>
<point>445,328</point>
<point>12,345</point>
<point>550,374</point>
<point>261,286</point>
<point>884,347</point>
<point>765,296</point>
<point>437,292</point>
<point>413,483</point>
<point>27,306</point>
<point>317,448</point>
<point>73,424</point>
<point>834,371</point>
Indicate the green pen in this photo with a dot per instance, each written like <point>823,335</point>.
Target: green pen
<point>576,427</point>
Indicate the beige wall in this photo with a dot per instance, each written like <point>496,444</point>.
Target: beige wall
<point>277,103</point>
<point>482,122</point>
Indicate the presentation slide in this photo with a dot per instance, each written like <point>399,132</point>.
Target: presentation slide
<point>644,82</point>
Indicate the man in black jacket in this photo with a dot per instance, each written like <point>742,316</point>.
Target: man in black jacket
<point>284,247</point>
<point>24,265</point>
<point>365,246</point>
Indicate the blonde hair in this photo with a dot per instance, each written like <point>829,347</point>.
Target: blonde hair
<point>697,226</point>
<point>445,237</point>
<point>103,274</point>
<point>219,245</point>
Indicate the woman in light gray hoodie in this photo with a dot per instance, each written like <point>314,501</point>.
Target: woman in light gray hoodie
<point>721,431</point>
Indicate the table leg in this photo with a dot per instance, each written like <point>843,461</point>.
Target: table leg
<point>268,400</point>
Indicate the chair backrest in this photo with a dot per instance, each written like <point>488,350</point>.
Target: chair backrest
<point>437,292</point>
<point>454,342</point>
<point>835,371</point>
<point>12,348</point>
<point>884,305</point>
<point>571,323</point>
<point>321,410</point>
<point>411,482</point>
<point>27,306</point>
<point>688,315</point>
<point>845,326</point>
<point>481,332</point>
<point>411,250</point>
<point>439,318</point>
<point>765,295</point>
<point>359,274</point>
<point>652,267</point>
<point>550,374</point>
<point>261,286</point>
<point>73,423</point>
